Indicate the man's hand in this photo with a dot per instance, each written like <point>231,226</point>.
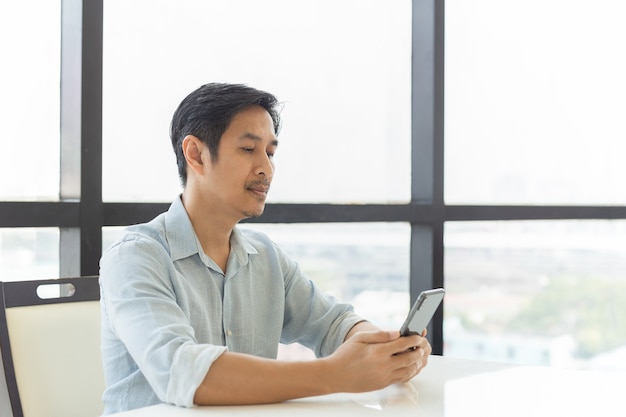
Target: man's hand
<point>375,359</point>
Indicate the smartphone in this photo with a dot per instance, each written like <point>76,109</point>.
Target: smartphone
<point>422,312</point>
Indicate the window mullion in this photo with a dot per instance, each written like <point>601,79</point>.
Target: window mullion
<point>70,129</point>
<point>427,153</point>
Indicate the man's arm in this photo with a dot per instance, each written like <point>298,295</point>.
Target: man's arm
<point>366,361</point>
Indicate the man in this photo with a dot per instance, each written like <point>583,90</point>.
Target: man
<point>193,308</point>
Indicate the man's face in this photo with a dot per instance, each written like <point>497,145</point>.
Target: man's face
<point>238,181</point>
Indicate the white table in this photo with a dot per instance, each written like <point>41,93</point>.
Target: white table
<point>451,388</point>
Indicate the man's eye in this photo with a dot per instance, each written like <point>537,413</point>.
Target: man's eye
<point>250,150</point>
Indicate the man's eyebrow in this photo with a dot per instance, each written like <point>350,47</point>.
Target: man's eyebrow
<point>252,136</point>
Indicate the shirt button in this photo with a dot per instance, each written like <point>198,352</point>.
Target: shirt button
<point>229,333</point>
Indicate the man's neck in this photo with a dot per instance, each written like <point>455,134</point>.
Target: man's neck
<point>212,228</point>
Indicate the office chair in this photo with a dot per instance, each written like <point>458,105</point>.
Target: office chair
<point>50,344</point>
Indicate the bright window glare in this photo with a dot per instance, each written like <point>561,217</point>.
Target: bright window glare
<point>534,102</point>
<point>30,100</point>
<point>344,78</point>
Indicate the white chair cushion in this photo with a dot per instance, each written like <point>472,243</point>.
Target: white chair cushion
<point>57,360</point>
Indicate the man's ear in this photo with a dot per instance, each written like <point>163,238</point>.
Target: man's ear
<point>193,149</point>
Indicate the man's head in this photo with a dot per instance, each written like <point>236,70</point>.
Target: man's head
<point>207,112</point>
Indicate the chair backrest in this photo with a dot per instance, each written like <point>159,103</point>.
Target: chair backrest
<point>50,342</point>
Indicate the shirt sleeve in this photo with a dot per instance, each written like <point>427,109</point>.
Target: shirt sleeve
<point>312,317</point>
<point>140,302</point>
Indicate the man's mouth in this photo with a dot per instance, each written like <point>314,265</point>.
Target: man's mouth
<point>259,189</point>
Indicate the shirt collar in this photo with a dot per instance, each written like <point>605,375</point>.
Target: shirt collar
<point>179,232</point>
<point>241,246</point>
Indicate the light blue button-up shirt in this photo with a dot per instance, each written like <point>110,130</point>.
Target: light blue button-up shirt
<point>168,311</point>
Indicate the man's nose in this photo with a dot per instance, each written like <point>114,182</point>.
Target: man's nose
<point>265,167</point>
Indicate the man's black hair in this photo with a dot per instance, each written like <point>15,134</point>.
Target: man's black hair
<point>206,113</point>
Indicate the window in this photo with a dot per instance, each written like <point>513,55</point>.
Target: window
<point>29,103</point>
<point>534,102</point>
<point>543,286</point>
<point>532,130</point>
<point>346,93</point>
<point>532,138</point>
<point>29,253</point>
